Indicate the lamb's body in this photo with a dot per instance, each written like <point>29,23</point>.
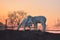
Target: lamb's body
<point>34,20</point>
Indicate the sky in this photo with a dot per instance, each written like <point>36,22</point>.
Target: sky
<point>48,8</point>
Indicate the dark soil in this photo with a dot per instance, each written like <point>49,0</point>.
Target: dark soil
<point>27,35</point>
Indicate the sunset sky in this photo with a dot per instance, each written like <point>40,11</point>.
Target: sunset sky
<point>48,8</point>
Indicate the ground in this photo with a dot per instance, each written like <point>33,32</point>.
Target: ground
<point>27,35</point>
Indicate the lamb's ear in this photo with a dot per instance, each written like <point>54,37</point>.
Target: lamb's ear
<point>29,16</point>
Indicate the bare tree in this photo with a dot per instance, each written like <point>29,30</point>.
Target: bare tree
<point>12,17</point>
<point>22,14</point>
<point>16,17</point>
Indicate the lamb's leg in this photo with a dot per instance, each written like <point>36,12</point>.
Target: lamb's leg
<point>19,26</point>
<point>35,25</point>
<point>30,28</point>
<point>43,27</point>
<point>24,29</point>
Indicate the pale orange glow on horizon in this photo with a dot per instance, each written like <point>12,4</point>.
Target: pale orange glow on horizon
<point>48,8</point>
